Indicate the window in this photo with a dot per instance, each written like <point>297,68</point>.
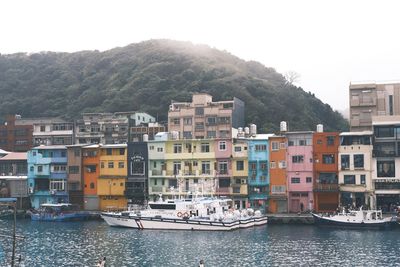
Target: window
<point>199,111</point>
<point>187,121</point>
<point>282,145</point>
<point>308,180</point>
<point>177,167</point>
<point>328,159</point>
<point>57,185</point>
<point>384,131</point>
<point>59,168</point>
<point>390,104</point>
<point>187,135</point>
<point>278,189</point>
<point>274,146</point>
<point>77,152</point>
<point>253,166</point>
<point>298,159</point>
<point>222,146</point>
<point>223,183</point>
<point>195,181</point>
<point>177,148</point>
<point>102,164</point>
<point>63,154</point>
<point>263,166</point>
<point>295,180</point>
<point>160,149</point>
<point>151,147</point>
<point>282,164</point>
<point>345,162</point>
<point>137,168</point>
<point>121,165</point>
<point>330,140</point>
<point>240,165</point>
<point>349,179</point>
<point>205,147</point>
<point>302,142</point>
<point>42,128</point>
<point>111,164</point>
<point>175,121</point>
<point>205,167</point>
<point>263,178</point>
<point>224,120</point>
<point>199,126</point>
<point>122,151</point>
<point>211,134</point>
<point>261,147</point>
<point>386,168</point>
<point>109,151</point>
<point>238,149</point>
<point>359,161</point>
<point>272,165</point>
<point>362,178</point>
<point>224,133</point>
<point>211,120</point>
<point>328,178</point>
<point>290,143</point>
<point>223,167</point>
<point>155,181</point>
<point>40,168</point>
<point>91,185</point>
<point>90,168</point>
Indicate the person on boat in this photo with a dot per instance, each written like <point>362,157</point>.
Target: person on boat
<point>201,263</point>
<point>103,262</point>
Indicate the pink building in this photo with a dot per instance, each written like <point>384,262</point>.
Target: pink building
<point>223,152</point>
<point>300,171</point>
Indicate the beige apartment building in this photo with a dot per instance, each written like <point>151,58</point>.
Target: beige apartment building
<point>372,99</point>
<point>202,118</point>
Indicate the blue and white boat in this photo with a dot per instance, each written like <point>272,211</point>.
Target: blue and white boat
<point>59,213</point>
<point>359,219</point>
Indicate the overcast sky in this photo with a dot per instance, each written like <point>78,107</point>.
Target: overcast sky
<point>329,43</point>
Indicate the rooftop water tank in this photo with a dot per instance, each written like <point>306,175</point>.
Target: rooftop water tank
<point>320,128</point>
<point>253,129</point>
<point>283,126</point>
<point>246,130</point>
<point>145,138</point>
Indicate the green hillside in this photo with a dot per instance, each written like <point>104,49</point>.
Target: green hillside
<point>147,76</point>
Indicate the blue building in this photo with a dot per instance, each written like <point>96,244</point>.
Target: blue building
<point>47,175</point>
<point>258,180</point>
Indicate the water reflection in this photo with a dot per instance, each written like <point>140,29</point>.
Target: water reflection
<point>82,244</point>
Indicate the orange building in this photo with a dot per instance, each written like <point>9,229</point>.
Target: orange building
<point>326,187</point>
<point>278,187</point>
<point>90,162</point>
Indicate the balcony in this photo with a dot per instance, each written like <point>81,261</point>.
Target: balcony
<point>157,173</point>
<point>258,195</point>
<point>326,188</point>
<point>223,190</point>
<point>58,175</point>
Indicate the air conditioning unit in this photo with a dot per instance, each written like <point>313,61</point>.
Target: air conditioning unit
<point>243,181</point>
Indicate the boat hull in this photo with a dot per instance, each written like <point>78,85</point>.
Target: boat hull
<point>139,222</point>
<point>327,221</point>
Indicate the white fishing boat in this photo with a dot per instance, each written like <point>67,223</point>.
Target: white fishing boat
<point>356,219</point>
<point>208,214</point>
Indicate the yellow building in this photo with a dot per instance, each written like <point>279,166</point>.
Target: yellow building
<point>112,178</point>
<point>239,173</point>
<point>179,167</point>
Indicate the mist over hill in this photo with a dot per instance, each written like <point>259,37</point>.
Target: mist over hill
<point>147,76</point>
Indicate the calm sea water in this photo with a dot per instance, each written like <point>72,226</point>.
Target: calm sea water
<point>83,243</point>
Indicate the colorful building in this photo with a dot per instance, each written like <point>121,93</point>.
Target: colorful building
<point>239,173</point>
<point>278,201</point>
<point>137,185</point>
<point>326,187</point>
<point>299,171</point>
<point>47,175</point>
<point>15,136</point>
<point>75,174</point>
<point>386,161</point>
<point>258,174</point>
<point>355,169</point>
<point>112,177</point>
<point>91,172</point>
<point>223,164</point>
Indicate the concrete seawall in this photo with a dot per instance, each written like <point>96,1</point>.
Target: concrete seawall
<point>290,218</point>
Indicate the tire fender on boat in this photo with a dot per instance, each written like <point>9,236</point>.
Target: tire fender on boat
<point>179,214</point>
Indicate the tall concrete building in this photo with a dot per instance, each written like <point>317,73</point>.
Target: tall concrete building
<point>368,100</point>
<point>203,118</point>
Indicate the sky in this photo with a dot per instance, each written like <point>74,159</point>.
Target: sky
<point>328,43</point>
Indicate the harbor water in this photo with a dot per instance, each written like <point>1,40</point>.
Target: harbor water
<point>84,243</point>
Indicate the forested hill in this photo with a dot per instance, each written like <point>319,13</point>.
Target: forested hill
<point>147,76</point>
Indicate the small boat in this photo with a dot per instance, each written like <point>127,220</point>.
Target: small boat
<point>370,219</point>
<point>59,213</point>
<point>207,214</point>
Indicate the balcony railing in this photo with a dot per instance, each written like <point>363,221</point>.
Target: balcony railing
<point>326,187</point>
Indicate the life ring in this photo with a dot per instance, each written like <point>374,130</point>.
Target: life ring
<point>179,214</point>
<point>186,214</point>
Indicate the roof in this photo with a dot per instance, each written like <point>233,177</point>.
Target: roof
<point>356,133</point>
<point>15,156</point>
<point>374,82</point>
<point>114,146</point>
<point>260,137</point>
<point>50,147</point>
<point>3,151</point>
